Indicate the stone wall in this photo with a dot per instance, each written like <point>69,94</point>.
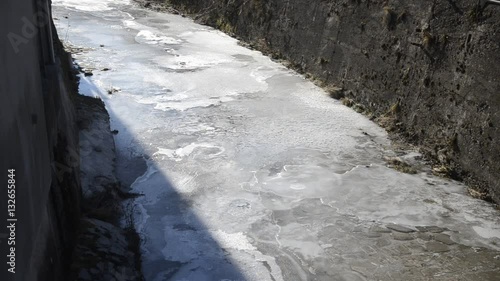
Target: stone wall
<point>39,140</point>
<point>427,70</point>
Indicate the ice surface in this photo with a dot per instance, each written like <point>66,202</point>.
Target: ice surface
<point>90,5</point>
<point>88,88</point>
<point>254,172</point>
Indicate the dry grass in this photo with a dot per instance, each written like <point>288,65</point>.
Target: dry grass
<point>389,120</point>
<point>389,18</point>
<point>441,171</point>
<point>477,194</point>
<point>401,166</point>
<point>335,92</point>
<point>427,39</point>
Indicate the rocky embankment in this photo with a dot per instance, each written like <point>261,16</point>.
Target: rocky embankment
<point>425,70</point>
<point>107,245</point>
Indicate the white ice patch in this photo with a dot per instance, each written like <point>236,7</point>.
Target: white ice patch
<point>487,232</point>
<point>183,101</point>
<point>192,61</point>
<point>237,241</point>
<point>153,184</point>
<point>180,153</point>
<point>213,40</point>
<point>192,128</point>
<point>90,5</point>
<point>88,88</point>
<point>262,73</point>
<point>303,181</point>
<point>182,106</point>
<point>135,25</point>
<point>149,37</point>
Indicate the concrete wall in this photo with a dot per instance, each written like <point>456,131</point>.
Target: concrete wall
<point>39,140</point>
<point>430,67</point>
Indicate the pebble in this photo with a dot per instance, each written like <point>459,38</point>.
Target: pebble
<point>436,247</point>
<point>379,229</point>
<point>383,243</point>
<point>399,228</point>
<point>371,234</point>
<point>424,236</point>
<point>433,229</point>
<point>444,238</point>
<point>402,236</point>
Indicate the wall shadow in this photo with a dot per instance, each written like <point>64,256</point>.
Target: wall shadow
<point>176,243</point>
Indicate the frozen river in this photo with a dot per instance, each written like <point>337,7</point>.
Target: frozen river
<point>251,172</point>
